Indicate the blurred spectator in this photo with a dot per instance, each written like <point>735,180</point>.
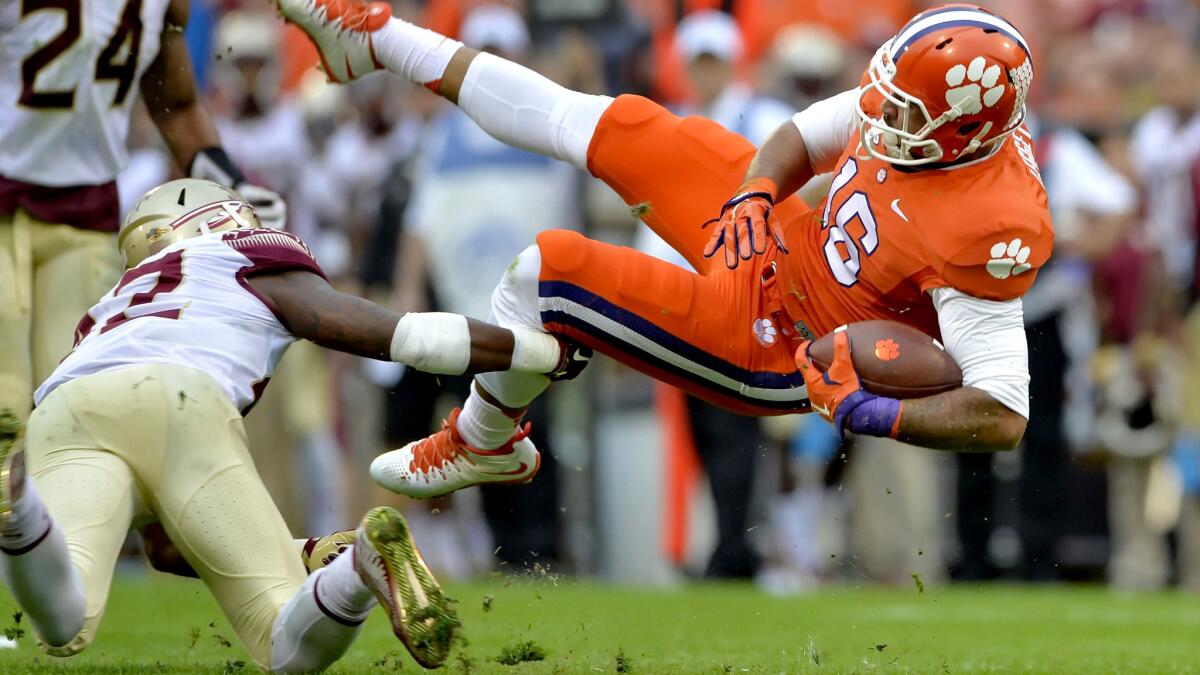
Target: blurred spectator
<point>796,556</point>
<point>894,528</point>
<point>464,245</point>
<point>265,133</point>
<point>805,65</point>
<point>1164,151</point>
<point>867,22</point>
<point>1139,392</point>
<point>1186,455</point>
<point>711,45</point>
<point>1143,288</point>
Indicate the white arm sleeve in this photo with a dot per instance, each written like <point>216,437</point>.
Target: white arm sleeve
<point>987,340</point>
<point>827,126</point>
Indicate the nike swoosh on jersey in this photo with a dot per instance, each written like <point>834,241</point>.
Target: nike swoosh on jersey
<point>896,208</point>
<point>821,410</point>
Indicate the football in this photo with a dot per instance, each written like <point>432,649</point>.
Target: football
<point>894,360</point>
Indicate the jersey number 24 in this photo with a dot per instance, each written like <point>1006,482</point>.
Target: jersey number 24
<point>129,31</point>
<point>854,207</point>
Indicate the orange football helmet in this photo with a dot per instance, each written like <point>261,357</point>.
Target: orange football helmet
<point>965,72</point>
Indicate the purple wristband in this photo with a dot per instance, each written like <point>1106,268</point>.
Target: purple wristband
<point>868,415</point>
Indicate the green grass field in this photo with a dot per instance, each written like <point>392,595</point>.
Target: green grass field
<point>163,625</point>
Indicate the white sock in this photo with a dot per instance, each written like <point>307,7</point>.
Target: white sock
<point>36,567</point>
<point>415,53</point>
<point>341,590</point>
<point>522,108</point>
<point>306,636</point>
<point>483,425</point>
<point>514,306</point>
<point>29,521</point>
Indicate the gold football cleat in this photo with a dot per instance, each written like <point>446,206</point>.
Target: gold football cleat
<point>389,563</point>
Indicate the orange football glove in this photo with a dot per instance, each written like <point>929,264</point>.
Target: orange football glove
<point>744,223</point>
<point>838,396</point>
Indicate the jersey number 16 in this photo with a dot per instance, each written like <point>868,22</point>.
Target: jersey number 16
<point>855,207</point>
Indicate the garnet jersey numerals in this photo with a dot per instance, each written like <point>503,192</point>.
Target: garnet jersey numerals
<point>167,274</point>
<point>117,61</point>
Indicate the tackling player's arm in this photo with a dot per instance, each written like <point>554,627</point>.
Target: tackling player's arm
<point>448,344</point>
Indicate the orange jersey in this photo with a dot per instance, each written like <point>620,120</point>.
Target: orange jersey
<point>883,237</point>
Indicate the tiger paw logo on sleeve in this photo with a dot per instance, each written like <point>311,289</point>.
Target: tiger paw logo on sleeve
<point>1009,259</point>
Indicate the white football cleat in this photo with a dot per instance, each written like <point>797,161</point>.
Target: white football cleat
<point>443,463</point>
<point>341,31</point>
<point>388,562</point>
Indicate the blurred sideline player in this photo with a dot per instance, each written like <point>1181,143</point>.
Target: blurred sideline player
<point>70,72</point>
<point>143,421</point>
<point>265,133</point>
<point>936,218</point>
<point>727,444</point>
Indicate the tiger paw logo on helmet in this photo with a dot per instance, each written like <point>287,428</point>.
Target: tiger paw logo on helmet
<point>951,83</point>
<point>981,88</point>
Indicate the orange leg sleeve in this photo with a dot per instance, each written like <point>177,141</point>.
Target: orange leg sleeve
<point>682,168</point>
<point>703,334</point>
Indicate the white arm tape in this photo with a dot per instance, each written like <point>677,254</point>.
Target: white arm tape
<point>534,351</point>
<point>436,342</point>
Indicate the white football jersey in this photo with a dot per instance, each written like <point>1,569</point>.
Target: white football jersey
<point>191,305</point>
<point>69,72</point>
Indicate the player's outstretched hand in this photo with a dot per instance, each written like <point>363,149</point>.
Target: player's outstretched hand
<point>838,396</point>
<point>745,223</point>
<point>270,207</point>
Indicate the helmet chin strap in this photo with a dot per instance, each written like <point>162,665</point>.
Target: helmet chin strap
<point>977,141</point>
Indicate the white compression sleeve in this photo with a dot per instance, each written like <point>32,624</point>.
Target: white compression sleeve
<point>522,108</point>
<point>827,126</point>
<point>436,342</point>
<point>415,53</point>
<point>987,340</point>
